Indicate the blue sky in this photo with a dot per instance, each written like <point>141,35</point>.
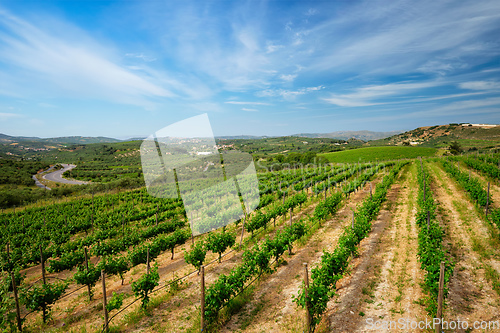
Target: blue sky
<point>129,68</point>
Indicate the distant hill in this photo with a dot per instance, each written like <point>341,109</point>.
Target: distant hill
<point>4,138</point>
<point>80,140</point>
<point>60,140</point>
<point>346,135</point>
<point>469,136</point>
<point>243,137</point>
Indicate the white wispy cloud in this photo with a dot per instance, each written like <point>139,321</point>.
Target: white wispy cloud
<point>288,78</point>
<point>287,94</point>
<point>480,85</point>
<point>441,67</point>
<point>73,64</point>
<point>464,107</point>
<point>399,37</point>
<point>140,56</point>
<point>272,47</point>
<point>311,12</point>
<point>8,115</point>
<point>248,52</point>
<point>246,103</point>
<point>46,105</point>
<point>250,110</point>
<point>371,95</point>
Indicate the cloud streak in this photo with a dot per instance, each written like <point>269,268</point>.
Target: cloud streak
<point>70,66</point>
<point>288,94</point>
<point>246,103</point>
<point>366,96</point>
<point>429,31</point>
<point>7,115</point>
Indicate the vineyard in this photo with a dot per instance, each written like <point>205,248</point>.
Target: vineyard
<point>327,248</point>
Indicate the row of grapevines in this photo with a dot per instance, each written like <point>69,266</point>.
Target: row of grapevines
<point>260,219</point>
<point>255,261</point>
<point>492,159</point>
<point>474,188</point>
<point>51,228</point>
<point>471,185</point>
<point>334,264</point>
<point>430,248</point>
<point>486,168</point>
<point>217,242</point>
<point>70,259</point>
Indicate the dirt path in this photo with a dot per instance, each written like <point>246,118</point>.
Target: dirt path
<point>392,280</point>
<point>471,296</point>
<point>344,310</point>
<point>271,308</point>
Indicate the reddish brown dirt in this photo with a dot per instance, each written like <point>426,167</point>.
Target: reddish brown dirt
<point>271,308</point>
<point>471,296</point>
<point>393,277</point>
<point>343,311</point>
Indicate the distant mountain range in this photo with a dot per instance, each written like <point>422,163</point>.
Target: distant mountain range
<point>60,140</point>
<point>346,135</point>
<point>341,135</point>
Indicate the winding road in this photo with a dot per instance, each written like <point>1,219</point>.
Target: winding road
<point>56,176</point>
<point>40,185</point>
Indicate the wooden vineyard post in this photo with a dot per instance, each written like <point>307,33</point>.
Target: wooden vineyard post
<point>440,297</point>
<point>104,300</point>
<point>43,265</point>
<point>87,267</point>
<point>371,196</point>
<point>243,229</point>
<point>147,261</point>
<point>187,221</point>
<point>14,289</point>
<point>18,311</point>
<point>202,284</point>
<point>306,287</point>
<point>92,209</point>
<point>352,225</point>
<point>488,199</point>
<point>424,188</point>
<point>44,309</point>
<point>428,220</point>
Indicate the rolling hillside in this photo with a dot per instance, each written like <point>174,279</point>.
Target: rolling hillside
<point>469,136</point>
<point>373,154</point>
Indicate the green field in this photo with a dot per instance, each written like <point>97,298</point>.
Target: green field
<point>370,154</point>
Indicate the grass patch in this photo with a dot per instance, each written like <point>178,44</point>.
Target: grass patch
<point>251,316</point>
<point>372,154</point>
<point>232,307</point>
